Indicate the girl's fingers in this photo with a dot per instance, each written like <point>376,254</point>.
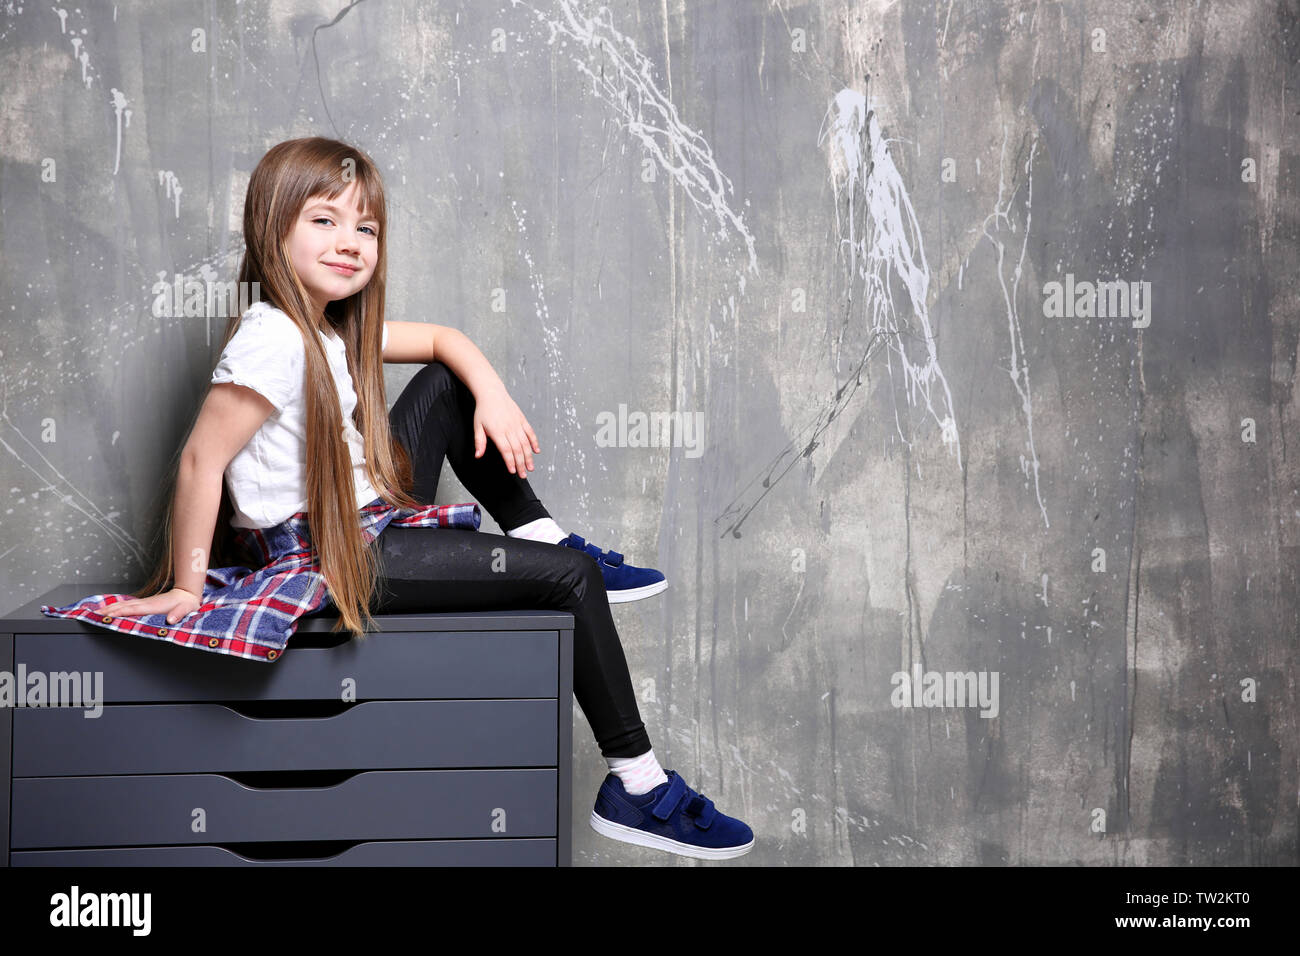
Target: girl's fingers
<point>514,447</point>
<point>507,455</point>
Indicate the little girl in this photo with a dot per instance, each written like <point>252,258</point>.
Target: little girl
<point>294,426</point>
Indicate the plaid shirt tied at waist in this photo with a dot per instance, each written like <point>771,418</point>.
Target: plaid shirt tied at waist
<point>252,613</point>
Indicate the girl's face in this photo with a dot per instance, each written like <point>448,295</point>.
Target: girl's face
<point>333,248</point>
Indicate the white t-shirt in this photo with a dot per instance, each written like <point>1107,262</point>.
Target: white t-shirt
<point>267,478</point>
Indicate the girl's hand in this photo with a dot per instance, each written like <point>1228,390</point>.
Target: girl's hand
<point>496,416</point>
<point>175,603</point>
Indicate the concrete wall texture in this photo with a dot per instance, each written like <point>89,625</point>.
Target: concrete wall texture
<point>979,321</point>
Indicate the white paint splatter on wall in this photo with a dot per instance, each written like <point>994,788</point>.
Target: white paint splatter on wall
<point>626,83</point>
<point>65,492</point>
<point>121,110</point>
<point>559,376</point>
<point>886,244</point>
<point>79,52</point>
<point>168,179</point>
<point>883,240</point>
<point>1019,370</point>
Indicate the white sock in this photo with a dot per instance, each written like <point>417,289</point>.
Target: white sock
<point>543,529</point>
<point>638,774</point>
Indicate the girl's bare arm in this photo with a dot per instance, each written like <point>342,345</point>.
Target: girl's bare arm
<point>418,342</point>
<point>229,418</point>
<point>496,415</point>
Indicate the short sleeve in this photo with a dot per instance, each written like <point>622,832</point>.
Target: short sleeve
<point>384,346</point>
<point>265,354</point>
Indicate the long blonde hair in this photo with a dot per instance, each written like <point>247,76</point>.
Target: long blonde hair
<point>288,176</point>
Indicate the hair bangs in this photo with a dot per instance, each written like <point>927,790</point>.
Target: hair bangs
<point>338,176</point>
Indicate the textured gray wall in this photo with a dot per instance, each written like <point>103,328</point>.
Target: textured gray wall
<point>828,229</point>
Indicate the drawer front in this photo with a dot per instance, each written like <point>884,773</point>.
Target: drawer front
<point>536,852</point>
<point>69,812</point>
<point>383,665</point>
<point>213,738</point>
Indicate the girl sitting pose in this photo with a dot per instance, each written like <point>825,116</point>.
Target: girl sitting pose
<point>282,436</point>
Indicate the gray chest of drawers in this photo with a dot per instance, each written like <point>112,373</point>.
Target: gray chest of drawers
<point>438,739</point>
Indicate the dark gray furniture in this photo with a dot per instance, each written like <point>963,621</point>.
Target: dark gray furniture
<point>454,748</point>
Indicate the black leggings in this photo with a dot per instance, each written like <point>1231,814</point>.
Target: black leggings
<point>452,569</point>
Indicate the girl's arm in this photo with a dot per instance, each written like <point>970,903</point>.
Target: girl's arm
<point>230,416</point>
<point>496,415</point>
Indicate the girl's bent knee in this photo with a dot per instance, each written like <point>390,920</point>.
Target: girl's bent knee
<point>435,377</point>
<point>580,576</point>
<point>590,579</point>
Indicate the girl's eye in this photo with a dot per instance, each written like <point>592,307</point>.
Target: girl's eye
<point>372,230</point>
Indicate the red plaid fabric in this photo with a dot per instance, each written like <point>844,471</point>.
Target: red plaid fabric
<point>252,612</point>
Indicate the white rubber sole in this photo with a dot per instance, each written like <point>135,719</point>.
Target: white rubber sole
<point>626,834</point>
<point>636,594</point>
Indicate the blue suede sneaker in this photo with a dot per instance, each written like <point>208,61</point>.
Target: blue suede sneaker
<point>623,582</point>
<point>670,817</point>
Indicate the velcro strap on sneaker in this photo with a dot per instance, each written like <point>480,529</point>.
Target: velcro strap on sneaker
<point>614,559</point>
<point>702,808</point>
<point>667,804</point>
